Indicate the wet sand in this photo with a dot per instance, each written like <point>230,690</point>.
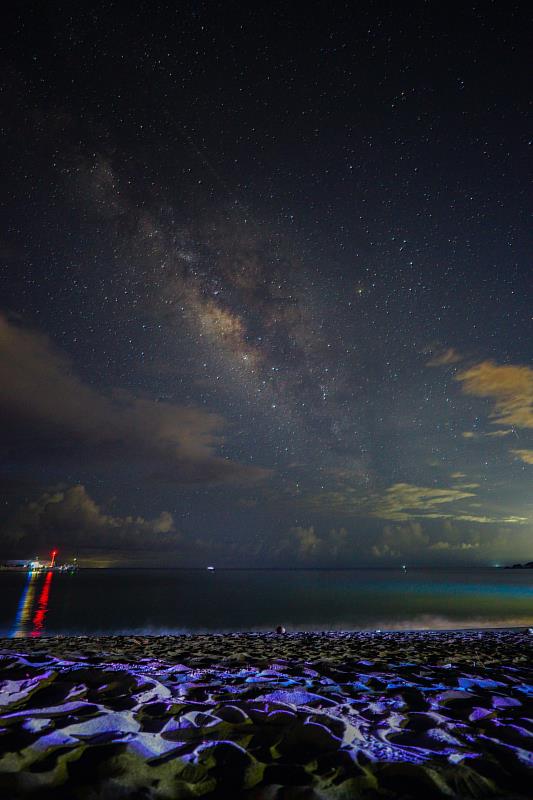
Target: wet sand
<point>304,715</point>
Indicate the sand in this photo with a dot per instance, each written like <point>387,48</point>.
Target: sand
<point>332,715</point>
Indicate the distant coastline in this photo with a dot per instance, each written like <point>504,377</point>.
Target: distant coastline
<point>371,568</point>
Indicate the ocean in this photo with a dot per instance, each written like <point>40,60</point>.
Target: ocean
<point>162,601</point>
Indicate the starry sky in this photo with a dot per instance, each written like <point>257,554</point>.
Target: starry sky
<point>266,288</point>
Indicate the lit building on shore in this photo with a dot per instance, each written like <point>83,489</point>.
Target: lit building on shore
<point>36,564</point>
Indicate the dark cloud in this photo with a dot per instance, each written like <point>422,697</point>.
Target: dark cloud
<point>43,398</point>
<point>72,521</point>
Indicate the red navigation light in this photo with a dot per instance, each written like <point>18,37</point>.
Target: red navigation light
<point>53,555</point>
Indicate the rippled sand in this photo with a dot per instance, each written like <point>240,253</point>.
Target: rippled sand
<point>384,715</point>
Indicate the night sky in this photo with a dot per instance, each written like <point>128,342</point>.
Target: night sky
<point>266,295</point>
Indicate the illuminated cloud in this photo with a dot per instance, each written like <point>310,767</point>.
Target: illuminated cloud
<point>411,541</point>
<point>306,544</point>
<point>444,358</point>
<point>447,546</point>
<point>450,540</point>
<point>512,519</point>
<point>399,540</point>
<point>499,434</point>
<point>43,398</point>
<point>509,387</point>
<point>306,541</point>
<point>524,455</point>
<point>403,501</point>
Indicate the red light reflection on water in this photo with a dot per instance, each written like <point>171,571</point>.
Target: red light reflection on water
<point>42,606</point>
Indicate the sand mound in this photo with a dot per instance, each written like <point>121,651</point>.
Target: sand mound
<point>256,716</point>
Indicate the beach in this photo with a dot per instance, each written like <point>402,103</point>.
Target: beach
<point>301,715</point>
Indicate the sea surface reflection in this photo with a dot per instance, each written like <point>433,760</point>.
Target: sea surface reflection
<point>25,624</point>
<point>155,601</point>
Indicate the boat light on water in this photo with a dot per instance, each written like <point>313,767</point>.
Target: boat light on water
<point>210,569</point>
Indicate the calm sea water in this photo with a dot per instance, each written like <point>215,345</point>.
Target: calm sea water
<point>167,601</point>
